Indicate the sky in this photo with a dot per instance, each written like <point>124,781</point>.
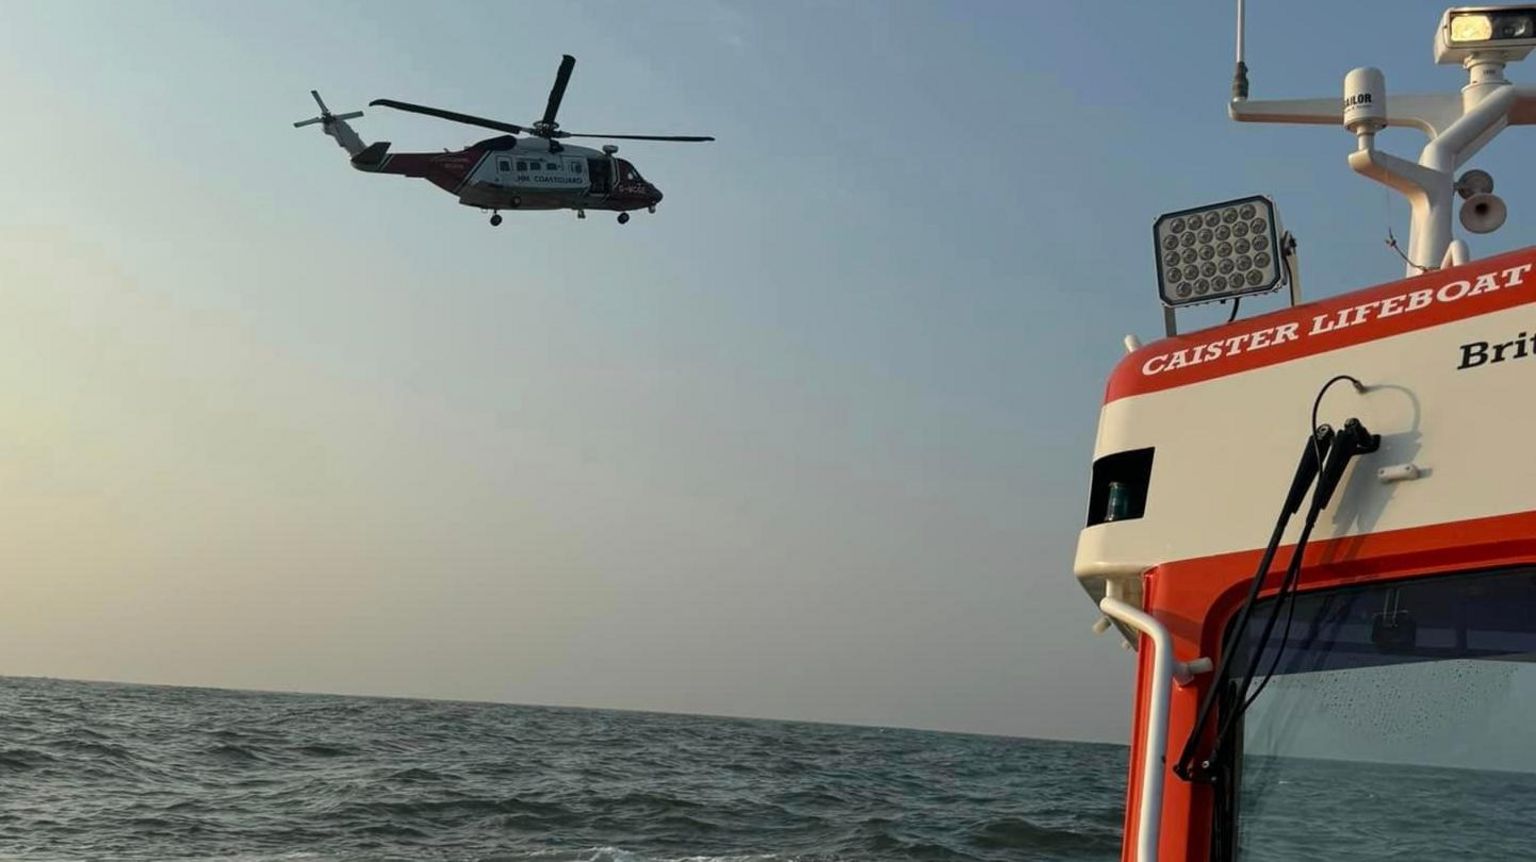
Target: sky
<point>810,442</point>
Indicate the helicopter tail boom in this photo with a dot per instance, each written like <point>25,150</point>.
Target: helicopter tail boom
<point>347,138</point>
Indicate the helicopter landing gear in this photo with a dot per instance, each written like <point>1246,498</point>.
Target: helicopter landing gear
<point>623,218</point>
<point>495,219</point>
<point>581,213</point>
<point>651,210</point>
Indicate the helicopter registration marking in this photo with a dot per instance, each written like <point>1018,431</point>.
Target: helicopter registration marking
<point>549,179</point>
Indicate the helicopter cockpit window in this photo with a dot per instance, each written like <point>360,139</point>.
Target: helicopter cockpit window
<point>575,167</point>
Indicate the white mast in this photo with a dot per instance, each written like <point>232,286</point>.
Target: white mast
<point>1481,39</point>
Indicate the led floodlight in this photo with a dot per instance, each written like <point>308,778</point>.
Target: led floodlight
<point>1500,33</point>
<point>1219,251</point>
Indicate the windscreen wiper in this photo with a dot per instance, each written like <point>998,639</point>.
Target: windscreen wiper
<point>1353,439</point>
<point>1317,446</point>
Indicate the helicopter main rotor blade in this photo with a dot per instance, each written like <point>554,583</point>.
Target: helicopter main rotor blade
<point>557,92</point>
<point>309,122</point>
<point>323,108</point>
<point>685,138</point>
<point>352,116</point>
<point>468,119</point>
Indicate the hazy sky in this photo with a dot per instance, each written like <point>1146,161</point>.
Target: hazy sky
<point>810,442</point>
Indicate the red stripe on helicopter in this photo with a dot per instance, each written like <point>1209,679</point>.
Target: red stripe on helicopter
<point>1434,298</point>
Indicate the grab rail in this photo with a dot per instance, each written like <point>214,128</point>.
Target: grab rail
<point>1154,751</point>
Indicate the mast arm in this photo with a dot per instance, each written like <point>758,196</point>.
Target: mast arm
<point>1523,111</point>
<point>1316,112</point>
<point>1429,112</point>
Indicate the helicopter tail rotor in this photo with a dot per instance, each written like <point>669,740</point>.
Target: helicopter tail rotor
<point>335,125</point>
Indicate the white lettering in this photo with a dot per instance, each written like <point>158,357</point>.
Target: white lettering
<point>1344,318</point>
<point>1444,294</point>
<point>1485,282</point>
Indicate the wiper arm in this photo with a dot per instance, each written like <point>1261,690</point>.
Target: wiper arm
<point>1354,439</point>
<point>1318,444</point>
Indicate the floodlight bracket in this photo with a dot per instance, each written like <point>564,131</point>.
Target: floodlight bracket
<point>1292,266</point>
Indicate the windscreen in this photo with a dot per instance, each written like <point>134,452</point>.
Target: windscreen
<point>1400,724</point>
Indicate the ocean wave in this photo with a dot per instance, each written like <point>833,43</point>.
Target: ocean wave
<point>90,748</point>
<point>322,750</point>
<point>24,759</point>
<point>1015,833</point>
<point>130,773</point>
<point>232,754</point>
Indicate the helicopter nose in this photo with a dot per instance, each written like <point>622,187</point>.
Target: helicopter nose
<point>656,196</point>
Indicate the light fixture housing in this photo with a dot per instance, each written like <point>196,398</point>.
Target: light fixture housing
<point>1497,33</point>
<point>1219,251</point>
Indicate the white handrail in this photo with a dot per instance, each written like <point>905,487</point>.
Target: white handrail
<point>1154,748</point>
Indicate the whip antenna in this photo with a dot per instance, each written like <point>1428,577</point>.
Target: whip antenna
<point>1240,74</point>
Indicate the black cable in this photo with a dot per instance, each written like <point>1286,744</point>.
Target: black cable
<point>1235,301</point>
<point>1307,469</point>
<point>1318,401</point>
<point>1354,439</point>
<point>1285,595</point>
<point>1320,440</point>
<point>1285,638</point>
<point>1392,244</point>
<point>1292,576</point>
<point>1287,583</point>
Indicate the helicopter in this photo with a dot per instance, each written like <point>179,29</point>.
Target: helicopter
<point>506,172</point>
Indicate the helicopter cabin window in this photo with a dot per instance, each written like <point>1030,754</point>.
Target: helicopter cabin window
<point>522,166</point>
<point>600,175</point>
<point>551,166</point>
<point>505,164</point>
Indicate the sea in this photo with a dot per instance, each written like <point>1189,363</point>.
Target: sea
<point>104,771</point>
